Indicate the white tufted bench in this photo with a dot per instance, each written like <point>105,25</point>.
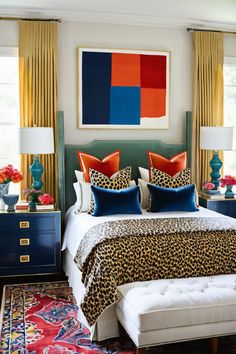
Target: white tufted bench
<point>171,310</point>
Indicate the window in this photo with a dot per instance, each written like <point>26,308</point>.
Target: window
<point>9,109</point>
<point>230,111</point>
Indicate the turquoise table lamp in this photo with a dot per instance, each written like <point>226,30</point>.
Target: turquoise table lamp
<point>216,139</point>
<point>36,141</point>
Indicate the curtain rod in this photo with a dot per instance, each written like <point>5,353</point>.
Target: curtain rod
<point>29,19</point>
<point>209,30</point>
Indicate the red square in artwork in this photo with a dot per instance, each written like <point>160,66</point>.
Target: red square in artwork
<point>153,71</point>
<point>125,69</point>
<point>153,103</point>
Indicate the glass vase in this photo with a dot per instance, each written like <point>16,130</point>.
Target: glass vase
<point>32,205</point>
<point>229,192</point>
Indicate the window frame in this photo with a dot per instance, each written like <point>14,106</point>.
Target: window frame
<point>9,52</point>
<point>230,61</point>
<point>12,52</point>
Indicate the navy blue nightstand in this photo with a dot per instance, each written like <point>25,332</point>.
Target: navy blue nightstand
<point>30,242</point>
<point>222,206</point>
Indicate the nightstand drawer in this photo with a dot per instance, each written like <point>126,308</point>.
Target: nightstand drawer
<point>30,240</point>
<point>26,223</point>
<point>27,258</point>
<point>30,243</point>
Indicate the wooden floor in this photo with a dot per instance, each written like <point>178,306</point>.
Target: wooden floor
<point>30,279</point>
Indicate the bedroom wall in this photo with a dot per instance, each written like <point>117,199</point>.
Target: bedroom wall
<point>230,45</point>
<point>8,34</point>
<point>72,35</point>
<point>178,41</point>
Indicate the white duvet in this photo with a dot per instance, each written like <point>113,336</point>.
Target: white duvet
<point>78,224</point>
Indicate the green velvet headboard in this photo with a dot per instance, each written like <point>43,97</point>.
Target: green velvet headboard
<point>133,153</point>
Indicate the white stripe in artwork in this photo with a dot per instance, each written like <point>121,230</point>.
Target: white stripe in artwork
<point>155,123</point>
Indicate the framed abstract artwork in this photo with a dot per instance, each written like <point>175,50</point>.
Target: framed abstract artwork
<point>123,89</point>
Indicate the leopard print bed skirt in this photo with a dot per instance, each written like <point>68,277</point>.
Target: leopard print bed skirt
<point>123,251</point>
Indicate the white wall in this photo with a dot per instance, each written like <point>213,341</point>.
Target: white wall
<point>8,34</point>
<point>230,45</point>
<point>73,35</point>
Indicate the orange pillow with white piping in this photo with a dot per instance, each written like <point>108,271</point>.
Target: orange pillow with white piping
<point>108,166</point>
<point>171,166</point>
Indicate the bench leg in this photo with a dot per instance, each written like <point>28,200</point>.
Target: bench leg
<point>140,350</point>
<point>214,345</point>
<point>121,332</point>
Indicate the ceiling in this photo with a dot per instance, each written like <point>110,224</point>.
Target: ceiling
<point>166,13</point>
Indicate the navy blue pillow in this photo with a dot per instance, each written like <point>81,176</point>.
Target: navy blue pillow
<point>111,201</point>
<point>172,199</point>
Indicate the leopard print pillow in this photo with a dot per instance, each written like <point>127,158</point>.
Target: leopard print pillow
<point>162,179</point>
<point>118,181</point>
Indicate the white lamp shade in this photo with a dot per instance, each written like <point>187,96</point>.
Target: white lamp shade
<point>216,138</point>
<point>36,141</point>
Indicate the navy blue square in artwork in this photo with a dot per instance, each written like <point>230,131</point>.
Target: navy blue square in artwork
<point>96,82</point>
<point>125,105</point>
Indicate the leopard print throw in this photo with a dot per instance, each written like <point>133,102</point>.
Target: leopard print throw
<point>123,251</point>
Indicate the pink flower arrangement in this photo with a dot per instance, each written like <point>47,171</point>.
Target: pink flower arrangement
<point>208,186</point>
<point>10,174</point>
<point>32,194</point>
<point>228,181</point>
<point>46,199</point>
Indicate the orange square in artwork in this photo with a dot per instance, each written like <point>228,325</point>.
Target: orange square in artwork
<point>153,102</point>
<point>125,69</point>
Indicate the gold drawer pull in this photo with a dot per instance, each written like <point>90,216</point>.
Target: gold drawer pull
<point>24,224</point>
<point>24,241</point>
<point>25,258</point>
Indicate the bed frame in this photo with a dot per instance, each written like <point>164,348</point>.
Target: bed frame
<point>133,153</point>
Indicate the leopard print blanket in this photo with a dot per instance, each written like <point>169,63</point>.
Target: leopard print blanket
<point>123,251</point>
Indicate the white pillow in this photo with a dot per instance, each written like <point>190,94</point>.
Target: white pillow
<point>145,194</point>
<point>79,175</point>
<point>144,173</point>
<point>83,195</point>
<point>77,189</point>
<point>132,183</point>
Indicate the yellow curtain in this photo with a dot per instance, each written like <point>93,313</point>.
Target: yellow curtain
<point>38,92</point>
<point>208,96</point>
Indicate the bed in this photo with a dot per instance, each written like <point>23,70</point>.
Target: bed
<point>102,321</point>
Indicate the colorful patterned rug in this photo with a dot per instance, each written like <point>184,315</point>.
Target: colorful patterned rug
<point>42,319</point>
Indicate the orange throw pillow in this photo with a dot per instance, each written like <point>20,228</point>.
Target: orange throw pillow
<point>171,166</point>
<point>108,166</point>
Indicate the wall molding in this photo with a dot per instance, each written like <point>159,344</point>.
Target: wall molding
<point>114,18</point>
